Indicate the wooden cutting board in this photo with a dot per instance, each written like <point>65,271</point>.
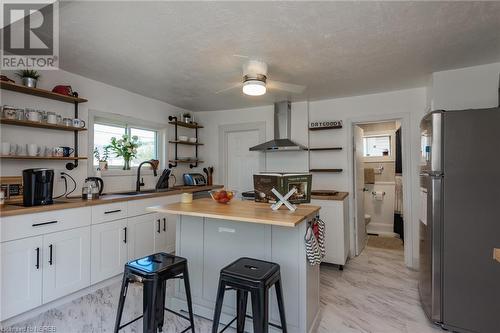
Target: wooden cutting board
<point>324,192</point>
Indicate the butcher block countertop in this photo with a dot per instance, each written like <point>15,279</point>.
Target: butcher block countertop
<point>328,195</point>
<point>11,210</point>
<point>240,210</point>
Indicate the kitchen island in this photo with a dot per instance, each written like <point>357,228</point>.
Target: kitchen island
<point>212,235</point>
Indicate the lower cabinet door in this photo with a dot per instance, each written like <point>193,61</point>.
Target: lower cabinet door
<point>109,249</point>
<point>171,224</point>
<point>21,276</point>
<point>66,262</point>
<point>142,236</point>
<point>161,232</point>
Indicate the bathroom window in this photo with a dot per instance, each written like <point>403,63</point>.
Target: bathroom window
<point>104,130</point>
<point>377,146</point>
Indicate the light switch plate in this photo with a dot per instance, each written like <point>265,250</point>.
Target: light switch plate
<point>496,254</point>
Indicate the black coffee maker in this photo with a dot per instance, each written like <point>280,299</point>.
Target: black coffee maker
<point>37,187</point>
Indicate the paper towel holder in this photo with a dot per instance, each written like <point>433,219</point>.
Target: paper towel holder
<point>375,193</point>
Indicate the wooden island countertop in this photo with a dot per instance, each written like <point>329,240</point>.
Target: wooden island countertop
<point>240,210</point>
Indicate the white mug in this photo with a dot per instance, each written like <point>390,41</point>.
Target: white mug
<point>78,123</point>
<point>5,148</point>
<point>33,149</point>
<point>57,152</point>
<point>33,115</point>
<point>52,119</point>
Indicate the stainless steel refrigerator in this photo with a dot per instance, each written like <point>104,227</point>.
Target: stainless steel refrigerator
<point>460,219</point>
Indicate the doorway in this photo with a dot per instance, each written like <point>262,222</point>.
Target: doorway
<point>238,164</point>
<point>379,160</point>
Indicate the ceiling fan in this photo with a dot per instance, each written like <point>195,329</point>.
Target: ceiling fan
<point>255,81</point>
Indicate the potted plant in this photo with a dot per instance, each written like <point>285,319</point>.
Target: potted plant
<point>103,160</point>
<point>29,77</point>
<point>125,147</point>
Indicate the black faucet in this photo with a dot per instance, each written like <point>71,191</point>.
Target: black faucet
<point>140,182</point>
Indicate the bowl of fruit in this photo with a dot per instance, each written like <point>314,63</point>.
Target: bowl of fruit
<point>222,196</point>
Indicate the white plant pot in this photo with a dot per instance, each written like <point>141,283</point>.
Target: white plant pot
<point>103,166</point>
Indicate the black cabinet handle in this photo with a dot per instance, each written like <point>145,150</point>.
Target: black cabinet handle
<point>50,254</point>
<point>43,223</point>
<point>37,258</point>
<point>113,211</point>
<point>164,224</point>
<point>158,230</point>
<point>125,234</point>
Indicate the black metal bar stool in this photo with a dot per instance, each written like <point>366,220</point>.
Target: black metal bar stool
<point>247,275</point>
<point>153,272</point>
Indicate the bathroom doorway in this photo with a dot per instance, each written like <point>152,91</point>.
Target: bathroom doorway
<point>378,185</point>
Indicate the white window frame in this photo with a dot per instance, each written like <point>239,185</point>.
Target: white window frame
<point>117,119</point>
<point>391,157</point>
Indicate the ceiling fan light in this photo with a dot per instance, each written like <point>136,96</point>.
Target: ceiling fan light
<point>254,88</point>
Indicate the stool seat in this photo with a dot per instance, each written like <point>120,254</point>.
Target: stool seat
<point>155,263</point>
<point>251,270</point>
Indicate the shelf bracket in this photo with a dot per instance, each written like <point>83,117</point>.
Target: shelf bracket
<point>74,164</point>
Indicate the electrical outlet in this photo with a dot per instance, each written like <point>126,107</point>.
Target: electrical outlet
<point>58,175</point>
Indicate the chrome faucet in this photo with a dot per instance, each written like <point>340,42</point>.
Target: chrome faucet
<point>140,182</point>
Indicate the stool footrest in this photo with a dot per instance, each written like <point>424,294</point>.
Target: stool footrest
<point>270,324</point>
<point>130,322</point>
<point>249,317</point>
<point>229,324</point>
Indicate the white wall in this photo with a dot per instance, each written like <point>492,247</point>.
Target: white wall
<point>410,102</point>
<point>472,87</point>
<point>101,97</point>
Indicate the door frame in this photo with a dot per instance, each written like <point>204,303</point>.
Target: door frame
<point>404,119</point>
<point>225,130</point>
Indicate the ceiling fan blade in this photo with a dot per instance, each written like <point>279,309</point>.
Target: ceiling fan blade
<point>234,86</point>
<point>293,88</point>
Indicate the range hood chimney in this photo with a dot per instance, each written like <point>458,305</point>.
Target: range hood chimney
<point>282,131</point>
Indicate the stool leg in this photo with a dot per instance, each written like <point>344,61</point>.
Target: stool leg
<point>121,302</point>
<point>187,288</point>
<point>218,306</point>
<point>260,311</point>
<point>149,306</point>
<point>281,304</point>
<point>160,305</point>
<point>241,299</point>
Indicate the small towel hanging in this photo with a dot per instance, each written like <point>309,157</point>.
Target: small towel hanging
<point>315,244</point>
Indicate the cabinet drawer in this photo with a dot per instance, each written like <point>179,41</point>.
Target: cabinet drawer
<point>138,207</point>
<point>28,225</point>
<point>109,212</point>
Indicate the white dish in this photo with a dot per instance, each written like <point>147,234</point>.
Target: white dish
<point>183,138</point>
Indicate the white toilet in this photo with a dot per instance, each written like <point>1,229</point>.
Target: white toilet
<point>368,218</point>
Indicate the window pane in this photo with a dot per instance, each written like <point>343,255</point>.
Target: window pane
<point>147,149</point>
<point>377,146</point>
<point>102,137</point>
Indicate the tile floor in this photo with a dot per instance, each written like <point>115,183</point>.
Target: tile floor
<point>375,293</point>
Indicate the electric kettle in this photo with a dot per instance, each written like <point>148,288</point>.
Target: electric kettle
<point>93,188</point>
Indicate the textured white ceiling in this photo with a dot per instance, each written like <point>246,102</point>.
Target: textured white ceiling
<point>182,53</point>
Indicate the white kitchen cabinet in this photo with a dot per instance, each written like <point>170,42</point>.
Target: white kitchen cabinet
<point>66,262</point>
<point>108,250</point>
<point>141,232</point>
<point>161,232</point>
<point>171,227</point>
<point>335,214</point>
<point>21,276</point>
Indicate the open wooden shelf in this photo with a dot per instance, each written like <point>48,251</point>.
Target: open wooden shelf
<point>40,93</point>
<point>185,161</point>
<point>48,158</point>
<point>324,128</point>
<point>28,123</point>
<point>325,148</point>
<point>326,170</point>
<point>187,143</point>
<point>183,124</point>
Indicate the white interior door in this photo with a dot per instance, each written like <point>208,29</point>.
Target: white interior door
<point>239,163</point>
<point>359,196</point>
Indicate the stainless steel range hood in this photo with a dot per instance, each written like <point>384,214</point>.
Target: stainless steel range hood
<point>282,130</point>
